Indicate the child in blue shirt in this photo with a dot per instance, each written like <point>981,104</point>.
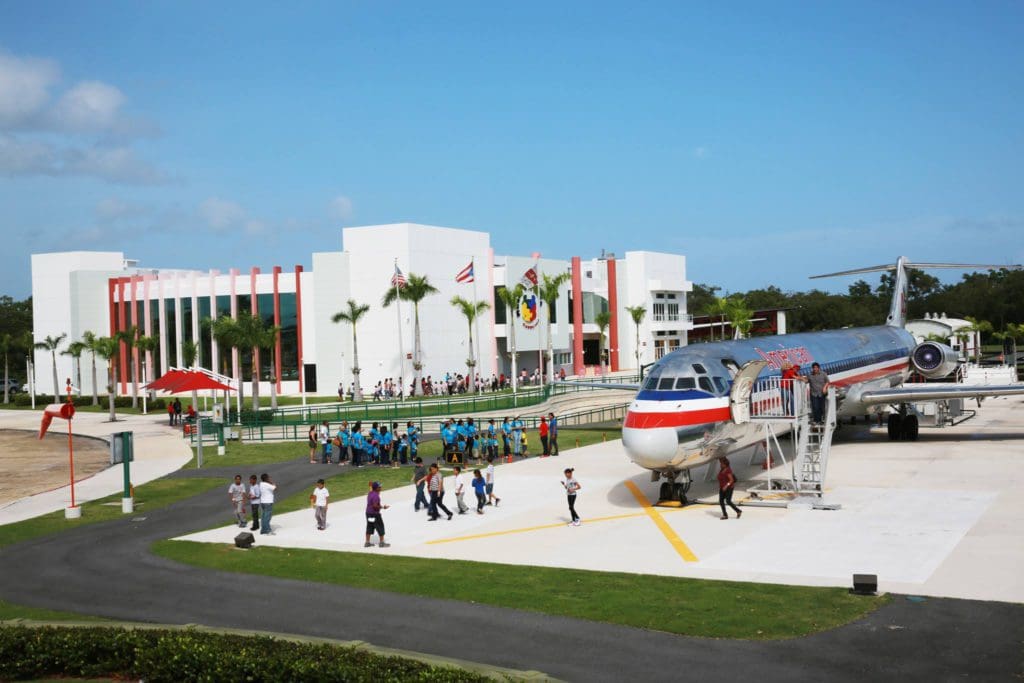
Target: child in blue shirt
<point>480,489</point>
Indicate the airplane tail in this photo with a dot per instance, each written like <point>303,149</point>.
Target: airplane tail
<point>898,307</point>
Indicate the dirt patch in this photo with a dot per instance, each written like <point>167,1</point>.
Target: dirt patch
<point>29,466</point>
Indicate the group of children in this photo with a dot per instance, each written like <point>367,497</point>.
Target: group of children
<point>260,499</point>
<point>463,441</point>
<point>380,445</point>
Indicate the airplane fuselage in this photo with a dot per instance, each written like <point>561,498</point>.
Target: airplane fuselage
<point>682,407</point>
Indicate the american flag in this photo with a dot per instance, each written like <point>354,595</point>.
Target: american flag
<point>398,279</point>
<point>466,274</point>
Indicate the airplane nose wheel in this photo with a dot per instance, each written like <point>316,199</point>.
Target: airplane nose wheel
<point>679,492</point>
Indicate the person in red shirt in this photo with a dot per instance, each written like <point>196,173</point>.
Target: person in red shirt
<point>543,429</point>
<point>789,373</point>
<point>726,483</point>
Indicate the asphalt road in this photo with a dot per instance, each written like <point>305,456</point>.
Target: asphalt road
<point>107,570</point>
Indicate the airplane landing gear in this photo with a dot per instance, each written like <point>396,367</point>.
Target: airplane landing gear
<point>895,426</point>
<point>673,490</point>
<point>903,427</point>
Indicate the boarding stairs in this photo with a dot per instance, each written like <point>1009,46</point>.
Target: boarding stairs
<point>779,407</point>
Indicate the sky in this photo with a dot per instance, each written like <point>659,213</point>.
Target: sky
<point>764,141</point>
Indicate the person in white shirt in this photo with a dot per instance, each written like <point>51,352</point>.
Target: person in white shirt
<point>318,499</point>
<point>236,492</point>
<point>489,478</point>
<point>460,490</point>
<point>325,437</point>
<point>571,487</point>
<point>267,488</point>
<point>254,502</point>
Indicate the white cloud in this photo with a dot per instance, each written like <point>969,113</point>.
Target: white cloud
<point>222,215</point>
<point>90,106</point>
<point>116,164</point>
<point>24,88</point>
<point>340,208</point>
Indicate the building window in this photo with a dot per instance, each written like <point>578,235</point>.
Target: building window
<point>500,309</point>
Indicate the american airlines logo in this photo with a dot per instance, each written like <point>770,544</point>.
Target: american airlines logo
<point>798,355</point>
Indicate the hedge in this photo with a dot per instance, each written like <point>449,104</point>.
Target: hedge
<point>119,401</point>
<point>189,655</point>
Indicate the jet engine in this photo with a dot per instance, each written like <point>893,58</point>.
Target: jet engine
<point>933,360</point>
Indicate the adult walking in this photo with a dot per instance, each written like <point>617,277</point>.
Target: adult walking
<point>435,487</point>
<point>419,478</point>
<point>726,484</point>
<point>312,435</point>
<point>374,520</point>
<point>819,383</point>
<point>254,502</point>
<point>543,430</point>
<point>572,487</point>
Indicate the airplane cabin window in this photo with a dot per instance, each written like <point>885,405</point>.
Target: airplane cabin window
<point>699,368</point>
<point>705,384</point>
<point>665,383</point>
<point>685,383</point>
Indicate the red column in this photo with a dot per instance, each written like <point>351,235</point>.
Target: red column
<point>298,324</point>
<point>613,308</point>
<point>577,317</point>
<point>133,283</point>
<point>277,323</point>
<point>253,272</point>
<point>122,355</point>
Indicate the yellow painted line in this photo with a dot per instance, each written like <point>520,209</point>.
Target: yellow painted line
<point>655,515</point>
<point>490,534</point>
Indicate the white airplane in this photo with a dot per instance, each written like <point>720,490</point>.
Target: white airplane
<point>682,415</point>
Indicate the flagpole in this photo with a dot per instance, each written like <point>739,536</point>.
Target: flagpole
<point>540,330</point>
<point>476,322</point>
<point>401,349</point>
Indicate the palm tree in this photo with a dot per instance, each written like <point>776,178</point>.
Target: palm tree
<point>417,287</point>
<point>51,344</point>
<point>603,319</point>
<point>351,316</point>
<point>109,348</point>
<point>6,346</point>
<point>227,336</point>
<point>472,310</point>
<point>511,298</point>
<point>89,338</point>
<point>75,350</point>
<point>147,345</point>
<point>637,313</point>
<point>250,330</point>
<point>1013,332</point>
<point>189,353</point>
<point>977,328</point>
<point>266,338</point>
<point>549,288</point>
<point>720,309</point>
<point>739,316</point>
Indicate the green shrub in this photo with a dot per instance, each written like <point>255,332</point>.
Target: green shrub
<point>190,655</point>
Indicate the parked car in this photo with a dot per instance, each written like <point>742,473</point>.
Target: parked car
<point>13,386</point>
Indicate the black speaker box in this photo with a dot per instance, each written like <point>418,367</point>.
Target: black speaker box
<point>244,540</point>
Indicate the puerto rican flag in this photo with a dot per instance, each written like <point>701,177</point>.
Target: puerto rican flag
<point>529,278</point>
<point>398,279</point>
<point>466,274</point>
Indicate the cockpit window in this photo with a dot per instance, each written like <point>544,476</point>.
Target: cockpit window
<point>700,369</point>
<point>705,384</point>
<point>685,383</point>
<point>720,383</point>
<point>665,383</point>
<point>651,383</point>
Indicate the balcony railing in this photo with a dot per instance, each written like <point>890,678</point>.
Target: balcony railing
<point>672,317</point>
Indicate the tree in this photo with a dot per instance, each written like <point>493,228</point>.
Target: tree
<point>89,338</point>
<point>51,344</point>
<point>720,309</point>
<point>265,338</point>
<point>739,316</point>
<point>637,313</point>
<point>511,298</point>
<point>189,353</point>
<point>75,350</point>
<point>147,345</point>
<point>702,298</point>
<point>129,337</point>
<point>228,336</point>
<point>6,346</point>
<point>109,348</point>
<point>416,288</point>
<point>249,334</point>
<point>351,315</point>
<point>977,328</point>
<point>603,319</point>
<point>471,310</point>
<point>1013,332</point>
<point>550,286</point>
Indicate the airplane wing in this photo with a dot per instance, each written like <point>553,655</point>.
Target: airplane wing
<point>938,392</point>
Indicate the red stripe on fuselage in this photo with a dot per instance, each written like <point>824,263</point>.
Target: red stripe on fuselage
<point>682,418</point>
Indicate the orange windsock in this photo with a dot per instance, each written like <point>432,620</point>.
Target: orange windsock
<point>65,411</point>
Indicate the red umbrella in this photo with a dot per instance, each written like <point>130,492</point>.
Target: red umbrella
<point>195,381</point>
<point>166,379</point>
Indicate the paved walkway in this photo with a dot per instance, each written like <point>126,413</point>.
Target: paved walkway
<point>159,450</point>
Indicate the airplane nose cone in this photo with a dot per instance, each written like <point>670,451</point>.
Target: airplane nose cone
<point>651,447</point>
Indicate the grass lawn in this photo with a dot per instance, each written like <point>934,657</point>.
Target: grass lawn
<point>714,609</point>
<point>151,496</point>
<point>9,611</point>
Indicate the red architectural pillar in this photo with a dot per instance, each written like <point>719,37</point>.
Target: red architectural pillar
<point>277,323</point>
<point>122,323</point>
<point>577,317</point>
<point>255,310</point>
<point>613,308</point>
<point>298,324</point>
